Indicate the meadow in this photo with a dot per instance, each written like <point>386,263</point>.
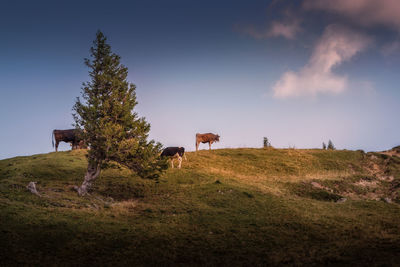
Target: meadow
<point>224,207</point>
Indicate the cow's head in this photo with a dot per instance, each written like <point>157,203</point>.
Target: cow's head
<point>217,138</point>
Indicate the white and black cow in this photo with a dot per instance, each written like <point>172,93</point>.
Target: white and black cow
<point>174,152</point>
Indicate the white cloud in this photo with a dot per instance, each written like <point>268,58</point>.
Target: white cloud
<point>336,46</point>
<point>284,29</point>
<point>287,29</point>
<point>364,12</point>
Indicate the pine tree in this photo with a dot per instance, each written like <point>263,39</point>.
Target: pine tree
<point>330,145</point>
<point>113,131</point>
<point>323,145</point>
<point>266,143</point>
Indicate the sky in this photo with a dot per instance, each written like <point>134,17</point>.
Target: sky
<point>298,72</point>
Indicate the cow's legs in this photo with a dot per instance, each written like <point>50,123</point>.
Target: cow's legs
<point>197,145</point>
<point>184,155</point>
<point>74,145</point>
<point>180,162</point>
<point>172,162</point>
<point>209,144</point>
<point>57,142</point>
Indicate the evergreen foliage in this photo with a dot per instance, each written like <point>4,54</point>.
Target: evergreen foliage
<point>266,142</point>
<point>331,146</point>
<point>113,131</point>
<point>323,145</point>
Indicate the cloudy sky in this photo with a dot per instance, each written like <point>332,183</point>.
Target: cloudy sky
<point>297,72</point>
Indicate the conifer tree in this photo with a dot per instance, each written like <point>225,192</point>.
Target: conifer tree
<point>323,145</point>
<point>266,142</point>
<point>113,131</point>
<point>330,145</point>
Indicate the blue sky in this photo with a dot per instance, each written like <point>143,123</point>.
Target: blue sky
<point>299,74</point>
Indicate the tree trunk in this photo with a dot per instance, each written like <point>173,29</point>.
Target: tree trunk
<point>93,171</point>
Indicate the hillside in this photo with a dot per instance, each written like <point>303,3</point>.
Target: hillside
<point>224,207</point>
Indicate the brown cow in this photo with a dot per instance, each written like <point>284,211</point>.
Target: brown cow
<point>206,138</point>
<point>72,136</point>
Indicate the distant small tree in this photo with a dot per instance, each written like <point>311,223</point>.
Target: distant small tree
<point>266,142</point>
<point>331,146</point>
<point>323,145</point>
<point>111,129</point>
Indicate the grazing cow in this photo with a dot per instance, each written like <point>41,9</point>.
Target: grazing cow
<point>206,138</point>
<point>72,136</point>
<point>174,152</point>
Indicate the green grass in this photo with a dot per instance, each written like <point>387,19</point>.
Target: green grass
<point>224,207</point>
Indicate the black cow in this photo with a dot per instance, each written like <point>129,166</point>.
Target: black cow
<point>174,152</point>
<point>73,136</point>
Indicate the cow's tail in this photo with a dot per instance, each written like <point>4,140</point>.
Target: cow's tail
<point>52,138</point>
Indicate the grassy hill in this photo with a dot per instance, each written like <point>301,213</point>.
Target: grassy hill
<point>224,207</point>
